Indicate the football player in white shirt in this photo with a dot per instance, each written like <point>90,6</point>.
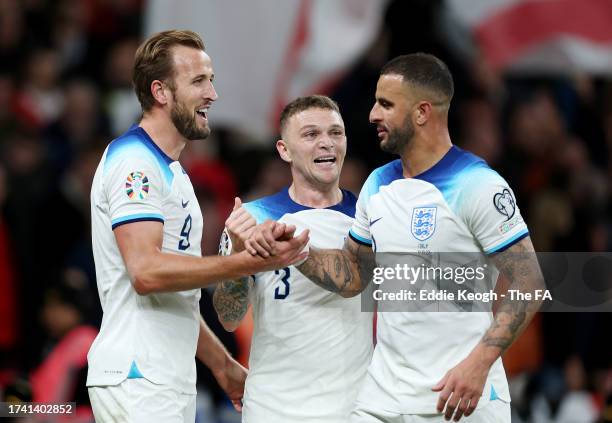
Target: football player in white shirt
<point>146,232</point>
<point>429,366</point>
<point>310,348</point>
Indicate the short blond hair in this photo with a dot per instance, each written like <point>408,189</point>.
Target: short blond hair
<point>306,103</point>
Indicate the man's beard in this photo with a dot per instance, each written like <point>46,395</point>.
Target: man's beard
<point>399,138</point>
<point>186,124</point>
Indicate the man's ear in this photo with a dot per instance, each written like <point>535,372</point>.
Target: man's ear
<point>283,150</point>
<point>422,113</point>
<point>160,92</point>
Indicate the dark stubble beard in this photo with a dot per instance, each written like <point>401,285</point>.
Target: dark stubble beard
<point>185,122</point>
<point>399,138</point>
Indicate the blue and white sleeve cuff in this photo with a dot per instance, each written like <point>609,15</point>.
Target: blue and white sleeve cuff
<point>359,239</point>
<point>508,243</point>
<point>139,217</point>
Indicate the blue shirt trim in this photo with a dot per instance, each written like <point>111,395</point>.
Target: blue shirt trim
<point>493,395</point>
<point>134,372</point>
<point>276,205</point>
<point>359,239</point>
<point>382,176</point>
<point>139,217</point>
<point>151,143</point>
<point>508,243</point>
<point>136,142</point>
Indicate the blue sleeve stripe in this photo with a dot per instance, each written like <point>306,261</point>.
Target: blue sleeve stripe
<point>359,239</point>
<point>140,217</point>
<point>509,243</point>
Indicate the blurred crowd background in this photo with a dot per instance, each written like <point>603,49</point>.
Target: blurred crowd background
<point>65,93</point>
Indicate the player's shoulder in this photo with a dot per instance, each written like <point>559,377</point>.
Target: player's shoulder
<point>135,147</point>
<point>460,169</point>
<point>277,205</point>
<point>382,176</point>
<point>269,207</point>
<point>473,171</point>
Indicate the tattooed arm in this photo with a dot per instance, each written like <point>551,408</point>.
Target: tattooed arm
<point>346,272</point>
<point>231,301</point>
<point>464,383</point>
<point>520,266</point>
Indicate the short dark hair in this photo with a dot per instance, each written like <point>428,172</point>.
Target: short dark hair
<point>423,70</point>
<point>153,61</point>
<point>305,103</point>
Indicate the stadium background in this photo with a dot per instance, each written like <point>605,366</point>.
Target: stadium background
<point>533,97</point>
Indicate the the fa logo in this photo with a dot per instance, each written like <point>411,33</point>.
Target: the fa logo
<point>423,223</point>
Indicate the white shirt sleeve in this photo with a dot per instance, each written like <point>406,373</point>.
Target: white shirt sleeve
<point>135,191</point>
<point>360,231</point>
<point>492,215</point>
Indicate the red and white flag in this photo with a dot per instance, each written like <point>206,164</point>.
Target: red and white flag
<point>265,53</point>
<point>552,36</point>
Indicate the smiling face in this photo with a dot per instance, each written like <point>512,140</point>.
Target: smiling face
<point>314,142</point>
<point>192,92</point>
<point>392,113</point>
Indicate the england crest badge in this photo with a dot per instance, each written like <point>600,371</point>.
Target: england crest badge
<point>423,223</point>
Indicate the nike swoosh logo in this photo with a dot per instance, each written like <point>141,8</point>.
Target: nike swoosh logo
<point>184,203</point>
<point>372,222</point>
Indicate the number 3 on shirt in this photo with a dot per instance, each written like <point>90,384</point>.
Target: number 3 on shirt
<point>184,241</point>
<point>278,295</point>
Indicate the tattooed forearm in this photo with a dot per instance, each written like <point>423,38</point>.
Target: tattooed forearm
<point>520,266</point>
<point>330,269</point>
<point>365,261</point>
<point>231,299</point>
<point>346,272</point>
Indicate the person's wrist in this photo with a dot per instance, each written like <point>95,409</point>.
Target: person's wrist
<point>306,250</point>
<point>486,354</point>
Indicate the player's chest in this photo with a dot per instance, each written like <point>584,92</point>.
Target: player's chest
<point>410,218</point>
<point>328,229</point>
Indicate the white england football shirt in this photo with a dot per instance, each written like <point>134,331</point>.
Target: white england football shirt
<point>153,336</point>
<point>310,348</point>
<point>459,205</point>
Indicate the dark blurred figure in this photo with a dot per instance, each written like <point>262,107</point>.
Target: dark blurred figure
<point>28,182</point>
<point>70,39</point>
<point>7,120</point>
<point>480,130</point>
<point>62,373</point>
<point>119,99</point>
<point>273,175</point>
<point>9,322</point>
<point>354,174</point>
<point>80,125</point>
<point>39,98</point>
<point>12,35</point>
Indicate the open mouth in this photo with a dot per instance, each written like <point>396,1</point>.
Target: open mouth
<point>329,159</point>
<point>203,112</point>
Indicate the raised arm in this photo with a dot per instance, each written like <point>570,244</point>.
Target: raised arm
<point>464,383</point>
<point>346,272</point>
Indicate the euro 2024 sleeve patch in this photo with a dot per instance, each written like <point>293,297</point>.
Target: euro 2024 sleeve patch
<point>137,186</point>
